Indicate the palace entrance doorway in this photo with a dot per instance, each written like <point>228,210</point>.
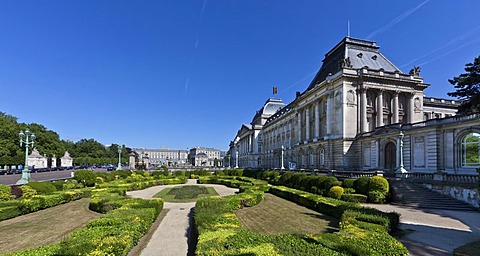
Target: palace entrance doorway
<point>390,156</point>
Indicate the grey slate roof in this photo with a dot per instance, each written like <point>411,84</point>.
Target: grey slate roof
<point>354,54</point>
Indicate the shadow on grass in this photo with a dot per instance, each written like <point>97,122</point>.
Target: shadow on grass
<point>333,223</point>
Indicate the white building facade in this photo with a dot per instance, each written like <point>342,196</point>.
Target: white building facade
<point>248,141</point>
<point>351,115</point>
<point>163,156</point>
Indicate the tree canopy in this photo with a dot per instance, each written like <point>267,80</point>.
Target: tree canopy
<point>47,142</point>
<point>468,88</point>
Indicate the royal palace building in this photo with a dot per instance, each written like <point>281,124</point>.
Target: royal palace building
<point>360,112</point>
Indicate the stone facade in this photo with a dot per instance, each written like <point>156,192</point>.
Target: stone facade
<point>164,156</point>
<point>37,161</point>
<point>66,160</point>
<point>207,157</point>
<point>248,141</point>
<point>351,115</point>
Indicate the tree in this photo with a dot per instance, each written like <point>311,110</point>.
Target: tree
<point>468,88</point>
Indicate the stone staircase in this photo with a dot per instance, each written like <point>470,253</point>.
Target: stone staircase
<point>412,195</point>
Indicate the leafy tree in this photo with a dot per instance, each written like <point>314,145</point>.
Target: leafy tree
<point>468,88</point>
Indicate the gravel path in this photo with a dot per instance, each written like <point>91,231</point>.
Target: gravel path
<point>172,236</point>
<point>435,232</point>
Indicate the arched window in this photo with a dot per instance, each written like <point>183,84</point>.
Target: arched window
<point>321,157</point>
<point>471,150</point>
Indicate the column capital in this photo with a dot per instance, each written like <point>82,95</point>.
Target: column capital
<point>396,92</point>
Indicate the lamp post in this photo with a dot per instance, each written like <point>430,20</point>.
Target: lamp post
<point>282,167</point>
<point>236,159</point>
<point>28,139</point>
<point>400,170</point>
<point>119,166</point>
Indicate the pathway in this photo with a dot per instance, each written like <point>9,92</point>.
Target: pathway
<point>435,232</point>
<point>172,236</point>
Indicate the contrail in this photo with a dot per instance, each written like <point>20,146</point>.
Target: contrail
<point>195,45</point>
<point>455,40</point>
<point>477,40</point>
<point>297,82</point>
<point>397,20</point>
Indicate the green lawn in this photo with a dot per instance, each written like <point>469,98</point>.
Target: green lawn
<point>275,215</point>
<point>185,193</point>
<point>44,227</point>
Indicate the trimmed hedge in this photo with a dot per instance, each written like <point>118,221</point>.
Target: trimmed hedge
<point>364,231</point>
<point>115,233</point>
<point>43,188</point>
<point>221,233</point>
<point>5,192</point>
<point>14,208</point>
<point>356,198</point>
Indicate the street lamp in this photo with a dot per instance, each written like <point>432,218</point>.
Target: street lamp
<point>400,170</point>
<point>28,138</point>
<point>282,167</point>
<point>119,166</point>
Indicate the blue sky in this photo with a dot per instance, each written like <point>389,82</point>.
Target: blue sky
<point>189,73</point>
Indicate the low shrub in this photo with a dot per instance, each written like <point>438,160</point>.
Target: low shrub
<point>85,177</point>
<point>361,185</point>
<point>5,192</point>
<point>348,183</point>
<point>378,183</point>
<point>335,192</point>
<point>43,188</point>
<point>349,190</point>
<point>376,197</point>
<point>356,198</point>
<point>99,180</point>
<point>27,192</point>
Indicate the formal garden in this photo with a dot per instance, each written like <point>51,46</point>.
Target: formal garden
<point>361,230</point>
<point>182,194</point>
<point>117,222</point>
<point>266,217</point>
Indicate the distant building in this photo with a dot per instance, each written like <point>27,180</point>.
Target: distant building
<point>37,161</point>
<point>208,157</point>
<point>66,160</point>
<point>163,156</point>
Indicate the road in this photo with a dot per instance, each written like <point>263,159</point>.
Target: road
<point>41,176</point>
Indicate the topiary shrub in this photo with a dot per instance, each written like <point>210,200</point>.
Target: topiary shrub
<point>361,185</point>
<point>335,192</point>
<point>86,177</point>
<point>378,183</point>
<point>349,190</point>
<point>99,180</point>
<point>5,192</point>
<point>43,188</point>
<point>348,183</point>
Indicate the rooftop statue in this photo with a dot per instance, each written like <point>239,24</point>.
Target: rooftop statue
<point>415,71</point>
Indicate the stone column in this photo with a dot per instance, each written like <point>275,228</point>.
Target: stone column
<point>290,134</point>
<point>363,110</point>
<point>411,107</point>
<point>329,114</point>
<point>307,124</point>
<point>299,115</point>
<point>380,108</point>
<point>317,119</point>
<point>395,107</point>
